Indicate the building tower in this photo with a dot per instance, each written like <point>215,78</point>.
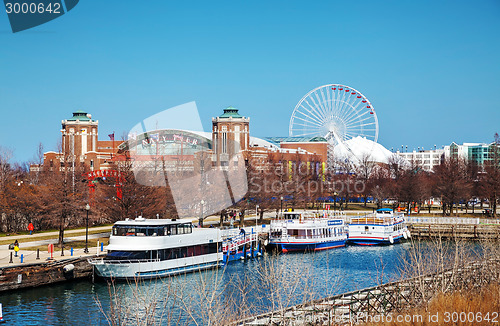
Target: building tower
<point>230,135</point>
<point>79,136</point>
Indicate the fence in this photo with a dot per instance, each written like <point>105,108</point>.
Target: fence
<point>349,308</point>
<point>451,220</point>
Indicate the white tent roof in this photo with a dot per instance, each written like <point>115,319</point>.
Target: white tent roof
<point>357,148</point>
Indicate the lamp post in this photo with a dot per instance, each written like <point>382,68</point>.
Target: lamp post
<point>87,208</point>
<point>281,210</point>
<point>256,215</point>
<point>200,222</point>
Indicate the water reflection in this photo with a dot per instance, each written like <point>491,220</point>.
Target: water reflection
<point>242,287</point>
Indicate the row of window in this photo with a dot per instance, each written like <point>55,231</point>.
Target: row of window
<point>165,254</point>
<point>162,230</point>
<point>310,233</point>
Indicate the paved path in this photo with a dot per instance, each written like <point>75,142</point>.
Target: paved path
<point>52,233</point>
<point>30,256</point>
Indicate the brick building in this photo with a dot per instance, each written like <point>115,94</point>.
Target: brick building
<point>80,146</point>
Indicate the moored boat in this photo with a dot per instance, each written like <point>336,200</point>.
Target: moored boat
<point>296,231</point>
<point>383,227</point>
<point>149,248</point>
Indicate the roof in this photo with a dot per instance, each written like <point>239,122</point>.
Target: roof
<point>360,148</point>
<point>231,112</point>
<point>278,140</point>
<point>80,115</point>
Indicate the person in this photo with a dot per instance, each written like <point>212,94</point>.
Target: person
<point>16,248</point>
<point>30,227</point>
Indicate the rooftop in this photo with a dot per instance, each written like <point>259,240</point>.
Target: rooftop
<point>81,116</point>
<point>278,140</point>
<point>231,112</point>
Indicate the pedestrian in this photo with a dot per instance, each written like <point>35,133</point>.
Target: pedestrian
<point>16,248</point>
<point>30,227</point>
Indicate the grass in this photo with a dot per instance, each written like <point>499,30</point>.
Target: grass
<point>80,244</point>
<point>4,234</point>
<point>457,308</point>
<point>48,237</point>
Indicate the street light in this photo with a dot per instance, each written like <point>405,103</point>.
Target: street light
<point>281,205</point>
<point>87,208</point>
<point>200,223</point>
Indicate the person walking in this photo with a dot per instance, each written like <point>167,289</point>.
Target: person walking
<point>30,227</point>
<point>16,248</point>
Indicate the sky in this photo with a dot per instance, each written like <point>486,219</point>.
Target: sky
<point>431,69</point>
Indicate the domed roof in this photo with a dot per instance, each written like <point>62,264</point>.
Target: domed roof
<point>231,112</point>
<point>80,115</point>
<point>357,148</point>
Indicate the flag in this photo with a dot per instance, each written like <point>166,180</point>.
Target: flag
<point>112,136</point>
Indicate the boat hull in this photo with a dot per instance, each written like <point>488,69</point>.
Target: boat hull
<point>307,246</point>
<point>373,241</point>
<point>154,269</point>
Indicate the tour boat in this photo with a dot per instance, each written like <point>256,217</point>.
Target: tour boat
<point>383,227</point>
<point>149,248</point>
<point>302,232</point>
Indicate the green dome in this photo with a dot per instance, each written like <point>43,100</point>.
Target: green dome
<point>80,115</point>
<point>231,112</point>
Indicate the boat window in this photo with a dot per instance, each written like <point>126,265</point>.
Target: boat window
<point>366,228</point>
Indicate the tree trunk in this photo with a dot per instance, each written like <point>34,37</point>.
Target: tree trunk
<point>261,219</point>
<point>242,217</point>
<point>61,229</point>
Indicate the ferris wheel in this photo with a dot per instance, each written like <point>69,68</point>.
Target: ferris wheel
<point>336,112</point>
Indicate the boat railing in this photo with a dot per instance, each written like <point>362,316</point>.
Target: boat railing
<point>233,244</point>
<point>102,260</point>
<point>374,220</point>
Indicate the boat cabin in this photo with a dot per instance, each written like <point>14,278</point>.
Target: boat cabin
<point>141,227</point>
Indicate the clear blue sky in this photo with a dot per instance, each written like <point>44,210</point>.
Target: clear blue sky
<point>430,68</point>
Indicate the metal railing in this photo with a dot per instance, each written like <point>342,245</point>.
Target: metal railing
<point>100,261</point>
<point>444,220</point>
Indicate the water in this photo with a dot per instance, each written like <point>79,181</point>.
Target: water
<point>271,281</point>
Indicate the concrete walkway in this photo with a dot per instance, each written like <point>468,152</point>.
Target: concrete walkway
<point>23,237</point>
<point>30,256</point>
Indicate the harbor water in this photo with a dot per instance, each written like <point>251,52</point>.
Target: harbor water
<point>254,286</point>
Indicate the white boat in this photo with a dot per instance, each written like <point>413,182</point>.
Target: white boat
<point>308,232</point>
<point>149,248</point>
<point>383,227</point>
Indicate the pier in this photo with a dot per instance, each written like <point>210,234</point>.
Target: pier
<point>446,231</point>
<point>44,273</point>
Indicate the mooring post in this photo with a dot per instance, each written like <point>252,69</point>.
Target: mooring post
<point>38,253</point>
<point>71,251</point>
<point>102,246</point>
<point>22,257</point>
<point>10,262</point>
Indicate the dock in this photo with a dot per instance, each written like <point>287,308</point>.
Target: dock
<point>455,231</point>
<point>47,272</point>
